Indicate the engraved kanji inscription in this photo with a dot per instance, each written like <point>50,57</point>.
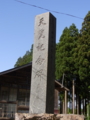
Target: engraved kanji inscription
<point>38,73</point>
<point>40,47</point>
<point>41,21</point>
<point>41,34</point>
<point>39,60</point>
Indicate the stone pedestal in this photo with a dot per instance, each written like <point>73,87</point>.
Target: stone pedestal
<point>24,116</point>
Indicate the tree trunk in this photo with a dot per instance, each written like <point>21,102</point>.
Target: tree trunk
<point>85,107</point>
<point>79,105</point>
<point>61,106</point>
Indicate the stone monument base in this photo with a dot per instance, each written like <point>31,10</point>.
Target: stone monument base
<point>24,116</point>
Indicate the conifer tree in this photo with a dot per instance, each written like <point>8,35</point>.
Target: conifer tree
<point>25,59</point>
<point>65,52</point>
<point>65,60</point>
<point>83,50</point>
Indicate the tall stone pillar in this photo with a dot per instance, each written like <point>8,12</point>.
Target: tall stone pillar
<point>43,65</point>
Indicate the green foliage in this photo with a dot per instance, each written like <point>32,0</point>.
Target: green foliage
<point>73,56</point>
<point>84,50</point>
<point>65,51</point>
<point>25,59</point>
<point>83,56</point>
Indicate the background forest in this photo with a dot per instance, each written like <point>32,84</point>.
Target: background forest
<point>72,60</point>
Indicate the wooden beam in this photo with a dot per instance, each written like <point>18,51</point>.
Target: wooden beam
<point>23,107</point>
<point>23,73</point>
<point>5,118</point>
<point>13,82</point>
<point>60,86</point>
<point>14,77</point>
<point>8,102</point>
<point>60,89</point>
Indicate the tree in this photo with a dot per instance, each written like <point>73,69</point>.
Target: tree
<point>25,59</point>
<point>83,50</point>
<point>65,60</point>
<point>65,52</point>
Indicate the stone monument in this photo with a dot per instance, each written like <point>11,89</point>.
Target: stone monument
<point>43,66</point>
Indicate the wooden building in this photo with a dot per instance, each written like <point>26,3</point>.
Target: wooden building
<point>15,91</point>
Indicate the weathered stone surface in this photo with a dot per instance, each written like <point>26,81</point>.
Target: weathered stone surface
<point>69,117</point>
<point>24,116</point>
<point>34,116</point>
<point>43,66</point>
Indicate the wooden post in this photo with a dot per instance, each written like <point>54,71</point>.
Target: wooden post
<point>83,106</point>
<point>9,91</point>
<point>61,111</point>
<point>76,101</point>
<point>16,111</point>
<point>79,105</point>
<point>55,101</point>
<point>63,106</point>
<point>73,90</point>
<point>65,102</point>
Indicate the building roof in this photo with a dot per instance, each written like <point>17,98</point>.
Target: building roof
<point>15,69</point>
<point>19,75</point>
